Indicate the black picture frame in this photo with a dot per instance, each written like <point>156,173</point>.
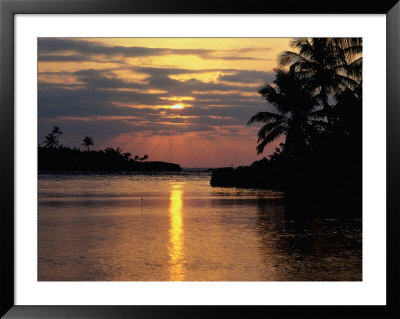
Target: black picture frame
<point>8,8</point>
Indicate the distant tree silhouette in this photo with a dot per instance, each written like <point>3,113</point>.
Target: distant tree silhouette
<point>87,141</point>
<point>295,115</point>
<point>117,152</point>
<point>53,156</point>
<point>113,151</point>
<point>56,131</point>
<point>110,159</point>
<point>109,150</point>
<point>127,155</point>
<point>50,141</point>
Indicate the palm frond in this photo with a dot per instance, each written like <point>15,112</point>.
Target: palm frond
<point>355,69</point>
<point>288,58</point>
<point>266,90</point>
<point>298,42</point>
<point>265,117</point>
<point>267,128</point>
<point>270,137</point>
<point>346,81</point>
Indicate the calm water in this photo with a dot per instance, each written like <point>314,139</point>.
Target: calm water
<point>97,227</point>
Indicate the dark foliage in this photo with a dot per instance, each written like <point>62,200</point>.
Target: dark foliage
<point>321,158</point>
<point>112,160</point>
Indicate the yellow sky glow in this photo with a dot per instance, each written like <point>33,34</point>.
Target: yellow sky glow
<point>183,100</point>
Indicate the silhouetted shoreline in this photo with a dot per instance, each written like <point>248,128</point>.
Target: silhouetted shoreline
<point>74,160</point>
<point>305,183</point>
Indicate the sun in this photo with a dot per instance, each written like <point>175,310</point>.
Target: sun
<point>177,107</point>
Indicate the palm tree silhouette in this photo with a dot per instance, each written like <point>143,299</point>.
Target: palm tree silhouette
<point>50,141</point>
<point>87,141</point>
<point>350,50</point>
<point>291,97</point>
<point>331,63</point>
<point>56,131</point>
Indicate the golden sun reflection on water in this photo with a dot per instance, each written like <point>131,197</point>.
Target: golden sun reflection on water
<point>175,248</point>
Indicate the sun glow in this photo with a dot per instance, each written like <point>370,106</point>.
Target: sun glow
<point>177,107</point>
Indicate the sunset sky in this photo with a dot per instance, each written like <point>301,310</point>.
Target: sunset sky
<point>179,100</point>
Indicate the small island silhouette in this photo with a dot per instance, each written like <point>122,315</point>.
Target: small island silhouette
<point>53,156</point>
